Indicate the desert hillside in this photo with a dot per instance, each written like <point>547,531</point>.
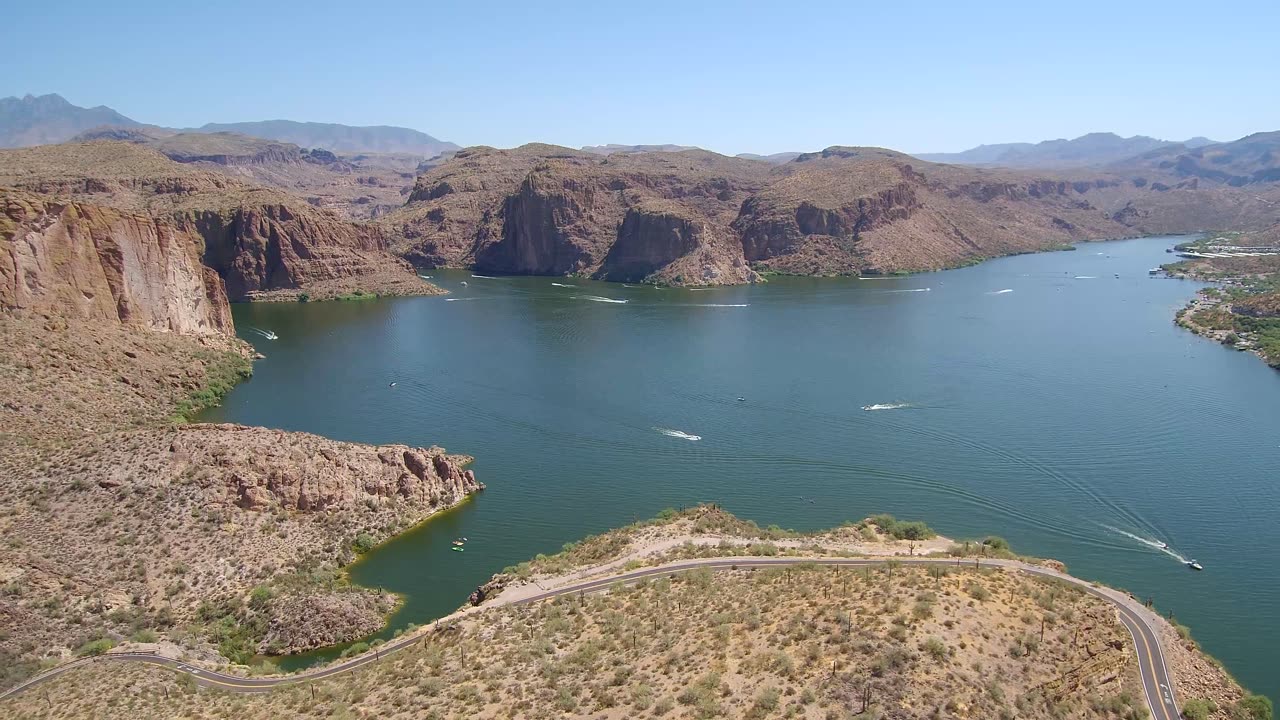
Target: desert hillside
<point>695,217</point>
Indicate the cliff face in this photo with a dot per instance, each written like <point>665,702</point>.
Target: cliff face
<point>542,229</point>
<point>258,240</point>
<point>697,218</point>
<point>667,246</point>
<point>94,263</point>
<point>545,210</point>
<point>273,245</point>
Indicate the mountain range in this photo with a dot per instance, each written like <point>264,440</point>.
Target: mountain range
<point>1086,150</point>
<point>45,119</point>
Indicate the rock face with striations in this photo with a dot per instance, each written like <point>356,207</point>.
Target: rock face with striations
<point>257,239</point>
<point>84,261</point>
<point>694,217</point>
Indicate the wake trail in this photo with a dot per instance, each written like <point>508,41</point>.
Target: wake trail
<point>886,406</point>
<point>1149,543</point>
<point>484,277</point>
<point>556,284</point>
<point>1000,292</point>
<point>265,333</point>
<point>678,434</point>
<point>597,298</point>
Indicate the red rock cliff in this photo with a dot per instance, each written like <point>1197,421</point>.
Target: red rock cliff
<point>84,261</point>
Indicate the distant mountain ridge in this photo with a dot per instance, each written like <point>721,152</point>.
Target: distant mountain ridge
<point>45,119</point>
<point>338,138</point>
<point>1092,149</point>
<point>50,119</point>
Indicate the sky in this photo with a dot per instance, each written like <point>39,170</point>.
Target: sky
<point>732,77</point>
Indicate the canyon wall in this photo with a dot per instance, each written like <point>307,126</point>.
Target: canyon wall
<point>96,263</point>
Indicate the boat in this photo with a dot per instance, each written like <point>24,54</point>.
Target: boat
<point>457,549</point>
<point>459,543</point>
<point>393,384</point>
<point>741,399</point>
<point>1154,271</point>
<point>1194,565</point>
<point>1162,545</point>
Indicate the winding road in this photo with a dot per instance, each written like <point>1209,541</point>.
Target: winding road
<point>1153,670</point>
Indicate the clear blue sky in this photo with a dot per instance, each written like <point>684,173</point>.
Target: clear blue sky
<point>732,77</point>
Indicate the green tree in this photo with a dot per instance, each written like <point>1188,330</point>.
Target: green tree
<point>1199,709</point>
<point>1253,707</point>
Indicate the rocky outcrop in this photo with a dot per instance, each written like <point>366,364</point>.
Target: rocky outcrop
<point>82,261</point>
<point>668,246</point>
<point>258,469</point>
<point>539,228</point>
<point>256,239</point>
<point>279,245</point>
<point>304,622</point>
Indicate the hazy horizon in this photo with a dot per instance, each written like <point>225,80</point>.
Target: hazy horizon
<point>724,77</point>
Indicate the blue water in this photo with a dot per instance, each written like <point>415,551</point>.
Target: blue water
<point>1056,415</point>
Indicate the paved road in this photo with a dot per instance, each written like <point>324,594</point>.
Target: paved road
<point>1153,670</point>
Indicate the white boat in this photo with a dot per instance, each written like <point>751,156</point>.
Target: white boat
<point>1154,271</point>
<point>1194,565</point>
<point>1162,545</point>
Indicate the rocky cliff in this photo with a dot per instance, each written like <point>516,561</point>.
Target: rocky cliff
<point>72,259</point>
<point>259,469</point>
<point>695,217</point>
<point>540,209</point>
<point>257,239</point>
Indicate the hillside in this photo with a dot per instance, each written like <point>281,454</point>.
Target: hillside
<point>805,640</point>
<point>694,217</point>
<point>263,243</point>
<point>32,120</point>
<point>1251,160</point>
<point>337,138</point>
<point>359,186</point>
<point>123,521</point>
<point>1092,150</point>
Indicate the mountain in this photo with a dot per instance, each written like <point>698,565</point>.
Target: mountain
<point>1249,160</point>
<point>1094,149</point>
<point>51,119</point>
<point>695,217</point>
<point>613,148</point>
<point>776,158</point>
<point>44,119</point>
<point>338,138</point>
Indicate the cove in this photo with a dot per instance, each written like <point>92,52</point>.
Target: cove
<point>1039,397</point>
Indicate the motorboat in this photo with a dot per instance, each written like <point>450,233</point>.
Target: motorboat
<point>1194,565</point>
<point>1162,545</point>
<point>1154,271</point>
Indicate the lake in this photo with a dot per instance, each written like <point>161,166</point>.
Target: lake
<point>1048,398</point>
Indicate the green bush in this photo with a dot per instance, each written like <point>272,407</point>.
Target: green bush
<point>96,647</point>
<point>1199,709</point>
<point>363,543</point>
<point>1253,707</point>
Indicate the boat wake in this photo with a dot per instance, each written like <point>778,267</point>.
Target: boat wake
<point>908,290</point>
<point>1000,292</point>
<point>265,333</point>
<point>597,298</point>
<point>886,406</point>
<point>563,285</point>
<point>484,277</point>
<point>716,305</point>
<point>1155,544</point>
<point>1086,277</point>
<point>678,434</point>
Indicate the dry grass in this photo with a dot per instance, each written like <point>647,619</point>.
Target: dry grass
<point>805,643</point>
